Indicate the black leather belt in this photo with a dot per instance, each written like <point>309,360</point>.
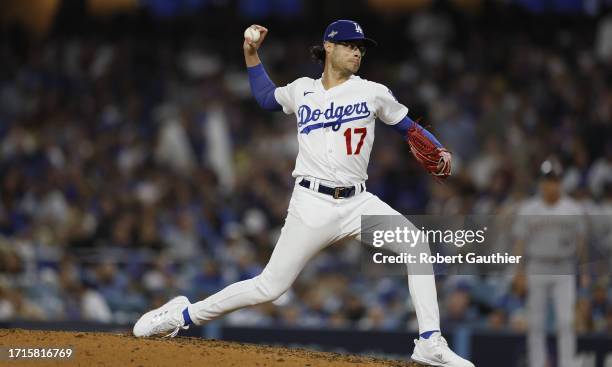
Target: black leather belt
<point>336,192</point>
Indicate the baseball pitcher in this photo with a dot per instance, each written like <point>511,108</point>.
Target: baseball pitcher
<point>335,116</point>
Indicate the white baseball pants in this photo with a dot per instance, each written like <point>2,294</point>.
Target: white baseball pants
<point>315,221</point>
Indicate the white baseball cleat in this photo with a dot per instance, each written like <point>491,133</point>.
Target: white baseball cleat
<point>435,352</point>
<point>166,320</point>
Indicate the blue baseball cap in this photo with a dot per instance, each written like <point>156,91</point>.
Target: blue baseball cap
<point>346,30</point>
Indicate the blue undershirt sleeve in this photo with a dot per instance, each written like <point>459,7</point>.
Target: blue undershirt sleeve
<point>406,123</point>
<point>263,88</point>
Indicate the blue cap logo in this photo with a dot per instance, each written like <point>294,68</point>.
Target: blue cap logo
<point>346,30</point>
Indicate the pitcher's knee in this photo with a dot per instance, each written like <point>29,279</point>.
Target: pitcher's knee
<point>270,289</point>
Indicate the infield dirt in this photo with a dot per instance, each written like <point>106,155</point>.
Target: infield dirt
<point>105,349</point>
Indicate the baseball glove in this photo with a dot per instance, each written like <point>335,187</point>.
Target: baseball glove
<point>437,161</point>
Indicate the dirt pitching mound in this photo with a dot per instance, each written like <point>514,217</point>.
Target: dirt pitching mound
<point>101,349</point>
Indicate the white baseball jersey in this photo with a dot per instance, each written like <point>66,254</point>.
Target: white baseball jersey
<point>335,127</point>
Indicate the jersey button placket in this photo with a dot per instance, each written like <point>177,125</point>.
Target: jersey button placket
<point>329,134</point>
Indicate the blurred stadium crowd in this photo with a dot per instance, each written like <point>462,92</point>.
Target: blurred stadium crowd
<point>135,167</point>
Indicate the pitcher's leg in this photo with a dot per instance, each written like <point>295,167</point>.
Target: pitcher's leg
<point>421,284</point>
<point>565,301</point>
<point>296,245</point>
<point>421,281</point>
<point>430,348</point>
<point>425,299</point>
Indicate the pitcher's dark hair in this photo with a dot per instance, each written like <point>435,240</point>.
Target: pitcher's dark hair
<point>318,54</point>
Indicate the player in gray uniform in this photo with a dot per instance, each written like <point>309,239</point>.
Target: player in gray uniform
<point>550,230</point>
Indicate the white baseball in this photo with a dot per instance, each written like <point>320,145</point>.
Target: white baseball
<point>252,33</point>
